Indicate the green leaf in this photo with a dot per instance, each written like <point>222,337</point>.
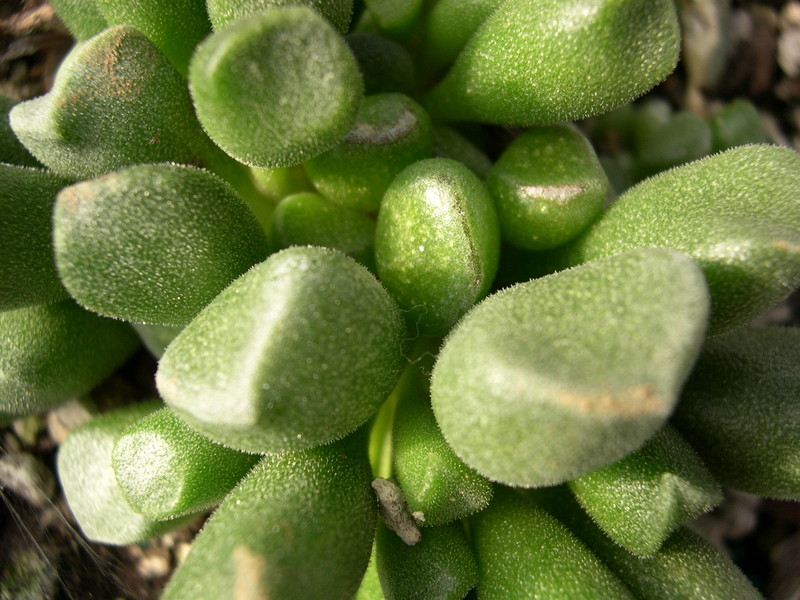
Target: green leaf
<point>82,17</point>
<point>525,554</point>
<point>548,186</point>
<point>686,566</point>
<point>741,410</point>
<point>276,184</point>
<point>448,27</point>
<point>385,65</point>
<point>116,101</point>
<point>92,492</point>
<point>553,378</point>
<point>435,481</point>
<point>299,351</point>
<point>153,243</point>
<point>166,469</point>
<point>736,213</point>
<point>544,61</point>
<point>11,150</point>
<point>50,353</point>
<point>735,124</point>
<point>308,219</point>
<point>176,27</point>
<point>641,499</point>
<point>441,566</point>
<point>300,526</point>
<point>370,588</point>
<point>223,12</point>
<point>449,143</point>
<point>276,88</point>
<point>156,338</point>
<point>395,18</point>
<point>391,132</point>
<point>27,269</point>
<point>684,137</point>
<point>437,243</point>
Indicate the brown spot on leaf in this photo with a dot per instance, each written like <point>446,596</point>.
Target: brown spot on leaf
<point>635,401</point>
<point>557,194</point>
<point>70,199</point>
<point>785,246</point>
<point>248,574</point>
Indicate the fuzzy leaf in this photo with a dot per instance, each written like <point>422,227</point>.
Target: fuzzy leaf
<point>153,243</point>
<point>299,351</point>
<point>437,243</point>
<point>641,499</point>
<point>395,18</point>
<point>27,269</point>
<point>737,123</point>
<point>50,353</point>
<point>223,12</point>
<point>11,150</point>
<point>276,88</point>
<point>87,477</point>
<point>449,143</point>
<point>736,213</point>
<point>391,132</point>
<point>553,378</point>
<point>82,17</point>
<point>686,566</point>
<point>308,219</point>
<point>441,566</point>
<point>176,27</point>
<point>166,469</point>
<point>299,526</point>
<point>741,410</point>
<point>370,588</point>
<point>116,101</point>
<point>156,338</point>
<point>545,61</point>
<point>525,554</point>
<point>435,481</point>
<point>385,65</point>
<point>448,27</point>
<point>684,137</point>
<point>548,186</point>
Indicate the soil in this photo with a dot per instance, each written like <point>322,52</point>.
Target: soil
<point>43,554</point>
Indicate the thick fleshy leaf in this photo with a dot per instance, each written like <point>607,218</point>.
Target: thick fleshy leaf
<point>11,149</point>
<point>370,588</point>
<point>299,351</point>
<point>686,566</point>
<point>308,219</point>
<point>524,554</point>
<point>736,213</point>
<point>681,138</point>
<point>92,492</point>
<point>156,338</point>
<point>222,12</point>
<point>440,566</point>
<point>276,88</point>
<point>116,101</point>
<point>50,353</point>
<point>437,484</point>
<point>166,469</point>
<point>641,499</point>
<point>553,378</point>
<point>176,27</point>
<point>545,61</point>
<point>437,243</point>
<point>448,27</point>
<point>27,269</point>
<point>82,17</point>
<point>736,124</point>
<point>395,18</point>
<point>449,143</point>
<point>547,186</point>
<point>300,526</point>
<point>153,243</point>
<point>391,132</point>
<point>385,65</point>
<point>741,410</point>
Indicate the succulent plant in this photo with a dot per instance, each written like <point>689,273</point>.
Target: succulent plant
<point>537,349</point>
